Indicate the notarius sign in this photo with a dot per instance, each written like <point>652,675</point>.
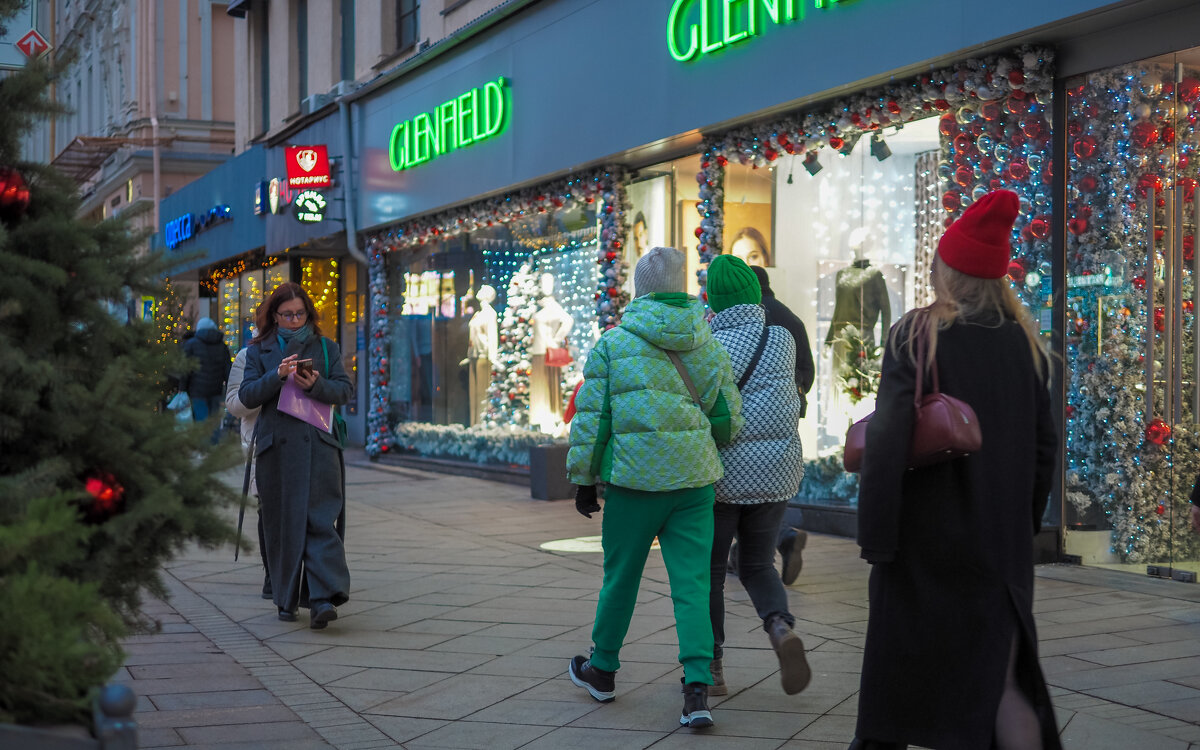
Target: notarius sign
<point>307,166</point>
<point>701,27</point>
<point>468,118</point>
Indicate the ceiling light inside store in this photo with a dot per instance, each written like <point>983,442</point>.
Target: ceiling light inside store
<point>879,149</point>
<point>811,165</point>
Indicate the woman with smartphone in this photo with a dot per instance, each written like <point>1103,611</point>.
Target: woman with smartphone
<point>299,467</point>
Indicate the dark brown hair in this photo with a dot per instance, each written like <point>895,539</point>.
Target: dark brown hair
<point>755,236</point>
<point>264,317</point>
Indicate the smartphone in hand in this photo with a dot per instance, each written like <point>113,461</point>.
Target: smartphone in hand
<point>304,366</point>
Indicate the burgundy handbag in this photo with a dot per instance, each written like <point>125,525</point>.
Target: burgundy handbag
<point>945,427</point>
<point>558,356</point>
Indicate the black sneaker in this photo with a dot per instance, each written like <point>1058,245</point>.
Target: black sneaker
<point>321,615</point>
<point>695,706</point>
<point>596,681</point>
<point>267,591</point>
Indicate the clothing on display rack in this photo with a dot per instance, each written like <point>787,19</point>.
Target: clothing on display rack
<point>551,326</point>
<point>482,350</point>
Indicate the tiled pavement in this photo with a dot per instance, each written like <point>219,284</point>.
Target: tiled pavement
<point>460,626</point>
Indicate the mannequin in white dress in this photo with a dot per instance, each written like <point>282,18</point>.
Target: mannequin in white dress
<point>482,348</point>
<point>551,326</point>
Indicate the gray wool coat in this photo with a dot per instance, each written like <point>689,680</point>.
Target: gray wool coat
<point>301,477</point>
<point>765,462</point>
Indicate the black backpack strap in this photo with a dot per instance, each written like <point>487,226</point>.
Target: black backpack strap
<point>762,344</point>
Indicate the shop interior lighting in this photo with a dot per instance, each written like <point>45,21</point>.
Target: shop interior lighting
<point>811,165</point>
<point>879,148</point>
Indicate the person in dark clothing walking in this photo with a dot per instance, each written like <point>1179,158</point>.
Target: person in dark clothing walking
<point>950,660</point>
<point>205,385</point>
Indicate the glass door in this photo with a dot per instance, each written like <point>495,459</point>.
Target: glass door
<point>1133,396</point>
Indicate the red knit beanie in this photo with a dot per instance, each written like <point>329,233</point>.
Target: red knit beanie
<point>980,242</point>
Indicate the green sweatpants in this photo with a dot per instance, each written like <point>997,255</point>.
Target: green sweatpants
<point>683,522</point>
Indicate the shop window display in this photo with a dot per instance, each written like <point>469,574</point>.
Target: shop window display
<point>1133,398</point>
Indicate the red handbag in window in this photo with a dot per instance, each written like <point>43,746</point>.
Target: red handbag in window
<point>558,356</point>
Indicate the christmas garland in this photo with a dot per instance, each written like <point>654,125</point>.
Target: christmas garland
<point>995,134</point>
<point>611,296</point>
<point>479,444</point>
<point>378,438</point>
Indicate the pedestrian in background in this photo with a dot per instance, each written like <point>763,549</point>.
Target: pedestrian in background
<point>300,472</point>
<point>763,466</point>
<point>658,396</point>
<point>951,650</point>
<point>247,419</point>
<point>205,385</point>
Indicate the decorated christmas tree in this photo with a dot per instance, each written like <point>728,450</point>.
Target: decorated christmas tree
<point>97,488</point>
<point>508,397</point>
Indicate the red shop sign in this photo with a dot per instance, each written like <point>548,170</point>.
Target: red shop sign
<point>307,166</point>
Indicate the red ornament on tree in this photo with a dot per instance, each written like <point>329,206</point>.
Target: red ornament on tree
<point>951,201</point>
<point>14,194</point>
<point>1158,431</point>
<point>1189,89</point>
<point>1143,134</point>
<point>1084,147</point>
<point>1039,226</point>
<point>1077,226</point>
<point>1160,316</point>
<point>1016,271</point>
<point>107,496</point>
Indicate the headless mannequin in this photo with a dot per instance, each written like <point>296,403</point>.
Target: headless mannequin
<point>482,348</point>
<point>861,297</point>
<point>551,325</point>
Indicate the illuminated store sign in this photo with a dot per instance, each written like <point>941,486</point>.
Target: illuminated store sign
<point>307,166</point>
<point>474,116</point>
<point>720,23</point>
<point>189,225</point>
<point>310,206</point>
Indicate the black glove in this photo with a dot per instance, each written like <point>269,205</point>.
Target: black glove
<point>585,500</point>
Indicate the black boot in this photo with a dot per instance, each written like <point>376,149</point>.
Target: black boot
<point>858,744</point>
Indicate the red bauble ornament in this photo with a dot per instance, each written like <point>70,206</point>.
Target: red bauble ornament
<point>1158,431</point>
<point>1167,135</point>
<point>613,291</point>
<point>893,106</point>
<point>1016,78</point>
<point>836,143</point>
<point>616,244</point>
<point>722,161</point>
<point>610,255</point>
<point>1189,247</point>
<point>941,105</point>
<point>1034,128</point>
<point>1160,316</point>
<point>1143,134</point>
<point>1189,89</point>
<point>951,201</point>
<point>1189,188</point>
<point>107,496</point>
<point>1039,226</point>
<point>1077,226</point>
<point>990,111</point>
<point>1148,181</point>
<point>1016,271</point>
<point>948,126</point>
<point>1084,147</point>
<point>1070,411</point>
<point>698,232</point>
<point>1017,105</point>
<point>1087,184</point>
<point>14,194</point>
<point>1189,306</point>
<point>383,448</point>
<point>964,176</point>
<point>1074,128</point>
<point>1018,170</point>
<point>1139,282</point>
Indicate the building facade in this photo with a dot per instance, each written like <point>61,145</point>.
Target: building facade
<point>495,187</point>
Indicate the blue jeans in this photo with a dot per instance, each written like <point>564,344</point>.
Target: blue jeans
<point>204,407</point>
<point>757,529</point>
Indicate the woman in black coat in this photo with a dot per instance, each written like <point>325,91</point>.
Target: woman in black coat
<point>299,468</point>
<point>951,651</point>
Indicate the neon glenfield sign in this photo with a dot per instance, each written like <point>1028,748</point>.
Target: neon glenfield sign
<point>701,27</point>
<point>475,116</point>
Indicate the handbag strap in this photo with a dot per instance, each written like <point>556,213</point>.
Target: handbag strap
<point>325,348</point>
<point>762,344</point>
<point>683,373</point>
<point>918,393</point>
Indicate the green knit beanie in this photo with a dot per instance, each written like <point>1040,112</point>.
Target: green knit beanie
<point>731,282</point>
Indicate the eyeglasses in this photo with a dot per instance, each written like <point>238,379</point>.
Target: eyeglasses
<point>290,317</point>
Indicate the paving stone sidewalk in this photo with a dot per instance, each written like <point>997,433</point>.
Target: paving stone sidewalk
<point>460,626</point>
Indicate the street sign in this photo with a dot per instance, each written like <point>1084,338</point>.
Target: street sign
<point>33,45</point>
<point>26,18</point>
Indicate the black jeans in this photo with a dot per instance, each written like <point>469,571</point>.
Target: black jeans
<point>757,529</point>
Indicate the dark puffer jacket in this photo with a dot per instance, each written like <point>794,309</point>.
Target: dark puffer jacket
<point>208,380</point>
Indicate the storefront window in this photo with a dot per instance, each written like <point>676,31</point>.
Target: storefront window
<point>230,300</point>
<point>494,325</point>
<point>252,297</point>
<point>319,277</point>
<point>1133,393</point>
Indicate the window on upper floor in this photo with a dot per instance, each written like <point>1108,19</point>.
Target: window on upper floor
<point>407,30</point>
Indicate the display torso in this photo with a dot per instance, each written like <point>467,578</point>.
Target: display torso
<point>862,301</point>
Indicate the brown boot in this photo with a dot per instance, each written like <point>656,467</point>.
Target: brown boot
<point>794,671</point>
<point>718,673</point>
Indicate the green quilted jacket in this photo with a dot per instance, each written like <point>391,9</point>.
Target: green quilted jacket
<point>636,425</point>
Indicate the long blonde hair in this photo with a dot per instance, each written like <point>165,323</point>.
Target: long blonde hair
<point>963,297</point>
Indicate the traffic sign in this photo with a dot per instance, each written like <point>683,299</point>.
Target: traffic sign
<point>33,45</point>
<point>12,58</point>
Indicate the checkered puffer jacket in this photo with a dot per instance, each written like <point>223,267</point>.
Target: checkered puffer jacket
<point>764,463</point>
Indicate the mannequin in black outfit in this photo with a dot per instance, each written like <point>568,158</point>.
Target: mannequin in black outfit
<point>861,298</point>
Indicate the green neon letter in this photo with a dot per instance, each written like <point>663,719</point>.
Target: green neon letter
<point>477,122</point>
<point>705,21</point>
<point>397,153</point>
<point>446,122</point>
<point>825,3</point>
<point>672,33</point>
<point>730,38</point>
<point>464,110</point>
<point>493,106</point>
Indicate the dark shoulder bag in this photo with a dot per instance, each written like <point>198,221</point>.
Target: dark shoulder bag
<point>945,427</point>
